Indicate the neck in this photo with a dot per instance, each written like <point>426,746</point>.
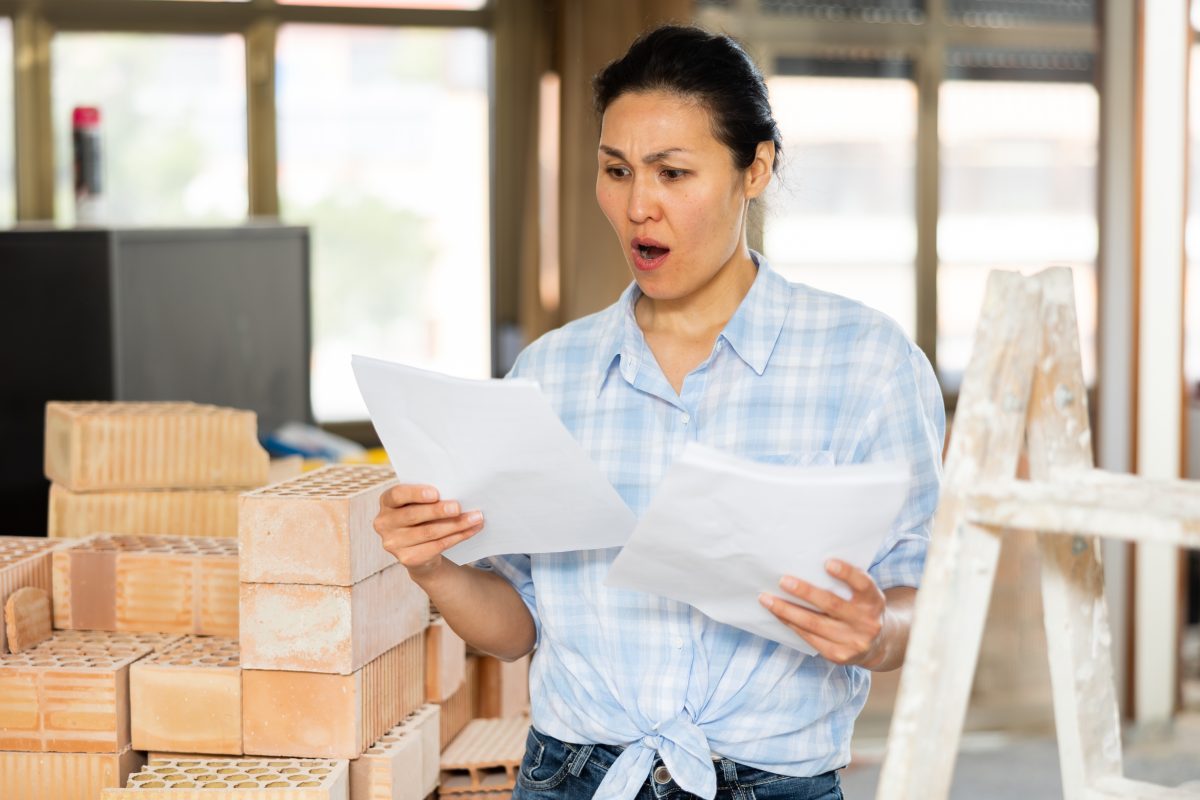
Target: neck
<point>702,314</point>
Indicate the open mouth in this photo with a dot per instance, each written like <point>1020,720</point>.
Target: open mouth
<point>648,254</point>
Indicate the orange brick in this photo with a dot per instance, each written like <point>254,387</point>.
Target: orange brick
<point>157,512</point>
<point>484,757</point>
<point>64,776</point>
<point>27,618</point>
<point>459,708</point>
<point>166,584</point>
<point>317,715</point>
<point>446,655</point>
<point>404,764</point>
<point>338,629</point>
<point>71,694</point>
<point>24,561</point>
<point>103,446</point>
<point>188,699</point>
<point>316,528</point>
<point>503,687</point>
<point>240,779</point>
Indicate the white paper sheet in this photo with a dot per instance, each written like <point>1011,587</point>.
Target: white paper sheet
<point>497,447</point>
<point>722,529</point>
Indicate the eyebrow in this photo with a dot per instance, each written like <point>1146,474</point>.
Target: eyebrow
<point>649,158</point>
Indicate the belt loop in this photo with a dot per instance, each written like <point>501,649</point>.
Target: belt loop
<point>729,768</point>
<point>580,760</point>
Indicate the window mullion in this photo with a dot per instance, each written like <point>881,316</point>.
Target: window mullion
<point>261,140</point>
<point>34,134</point>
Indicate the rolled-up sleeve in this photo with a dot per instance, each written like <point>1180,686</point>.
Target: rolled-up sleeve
<point>907,424</point>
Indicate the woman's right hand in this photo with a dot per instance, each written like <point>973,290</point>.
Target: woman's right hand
<point>416,526</point>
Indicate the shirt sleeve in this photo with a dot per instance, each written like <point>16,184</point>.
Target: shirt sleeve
<point>517,568</point>
<point>907,424</point>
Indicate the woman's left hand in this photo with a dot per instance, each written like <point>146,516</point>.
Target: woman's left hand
<point>842,631</point>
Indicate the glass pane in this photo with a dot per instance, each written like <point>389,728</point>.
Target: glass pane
<point>1018,191</point>
<point>466,5</point>
<point>172,122</point>
<point>866,10</point>
<point>1002,13</point>
<point>8,158</point>
<point>1191,314</point>
<point>842,218</point>
<point>383,150</point>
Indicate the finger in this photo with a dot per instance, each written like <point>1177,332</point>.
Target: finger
<point>413,515</point>
<point>859,581</point>
<point>407,493</point>
<point>417,555</point>
<point>450,541</point>
<point>432,531</point>
<point>827,648</point>
<point>800,618</point>
<point>826,602</point>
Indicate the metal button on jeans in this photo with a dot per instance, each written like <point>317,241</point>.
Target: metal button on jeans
<point>661,775</point>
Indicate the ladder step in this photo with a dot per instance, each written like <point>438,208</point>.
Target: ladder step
<point>1125,789</point>
<point>1093,503</point>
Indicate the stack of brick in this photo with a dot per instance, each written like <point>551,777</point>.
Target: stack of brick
<point>149,468</point>
<point>25,562</point>
<point>404,764</point>
<point>332,627</point>
<point>64,714</point>
<point>228,780</point>
<point>482,762</point>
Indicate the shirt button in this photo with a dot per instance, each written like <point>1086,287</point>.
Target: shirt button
<point>678,643</point>
<point>661,775</point>
<point>686,418</point>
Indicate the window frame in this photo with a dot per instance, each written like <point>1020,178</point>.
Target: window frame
<point>925,43</point>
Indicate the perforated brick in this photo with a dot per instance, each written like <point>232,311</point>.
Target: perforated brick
<point>316,528</point>
<point>71,693</point>
<point>64,776</point>
<point>320,715</point>
<point>445,668</point>
<point>27,618</point>
<point>24,561</point>
<point>337,629</point>
<point>148,583</point>
<point>459,708</point>
<point>188,699</point>
<point>242,779</point>
<point>162,512</point>
<point>503,687</point>
<point>404,764</point>
<point>485,756</point>
<point>104,446</point>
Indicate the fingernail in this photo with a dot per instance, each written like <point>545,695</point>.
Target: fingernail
<point>451,508</point>
<point>428,494</point>
<point>474,516</point>
<point>766,599</point>
<point>834,567</point>
<point>789,583</point>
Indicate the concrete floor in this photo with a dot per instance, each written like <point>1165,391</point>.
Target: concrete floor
<point>1011,767</point>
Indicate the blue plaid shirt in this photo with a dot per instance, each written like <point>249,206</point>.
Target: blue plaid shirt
<point>797,376</point>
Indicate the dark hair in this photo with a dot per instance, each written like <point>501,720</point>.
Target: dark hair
<point>711,68</point>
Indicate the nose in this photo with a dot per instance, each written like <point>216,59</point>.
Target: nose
<point>643,201</point>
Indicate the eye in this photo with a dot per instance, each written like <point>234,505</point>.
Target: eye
<point>673,174</point>
<point>616,172</point>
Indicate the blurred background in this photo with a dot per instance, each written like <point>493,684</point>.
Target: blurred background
<point>414,181</point>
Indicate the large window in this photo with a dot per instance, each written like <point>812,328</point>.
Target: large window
<point>172,119</point>
<point>383,151</point>
<point>8,161</point>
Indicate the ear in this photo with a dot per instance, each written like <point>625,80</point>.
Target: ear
<point>758,174</point>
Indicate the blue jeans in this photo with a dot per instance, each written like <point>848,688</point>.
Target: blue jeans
<point>565,771</point>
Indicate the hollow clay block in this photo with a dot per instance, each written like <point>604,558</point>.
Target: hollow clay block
<point>336,629</point>
<point>106,446</point>
<point>317,528</point>
<point>237,779</point>
<point>24,561</point>
<point>503,687</point>
<point>484,757</point>
<point>168,584</point>
<point>404,764</point>
<point>157,512</point>
<point>70,694</point>
<point>188,699</point>
<point>27,618</point>
<point>64,776</point>
<point>320,715</point>
<point>459,708</point>
<point>446,655</point>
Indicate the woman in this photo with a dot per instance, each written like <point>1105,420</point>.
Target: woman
<point>635,695</point>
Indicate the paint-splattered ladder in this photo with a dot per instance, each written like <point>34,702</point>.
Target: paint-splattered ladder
<point>1024,386</point>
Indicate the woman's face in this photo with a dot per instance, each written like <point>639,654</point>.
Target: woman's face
<point>671,192</point>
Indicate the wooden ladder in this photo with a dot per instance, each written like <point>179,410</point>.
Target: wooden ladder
<point>1024,386</point>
